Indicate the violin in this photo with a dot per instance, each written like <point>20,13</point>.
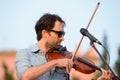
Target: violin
<point>79,64</point>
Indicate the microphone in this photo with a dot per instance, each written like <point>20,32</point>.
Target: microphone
<point>91,37</point>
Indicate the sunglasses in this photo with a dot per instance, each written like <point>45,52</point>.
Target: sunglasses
<point>59,33</point>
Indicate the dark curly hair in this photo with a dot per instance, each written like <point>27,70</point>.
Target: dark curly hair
<point>47,21</point>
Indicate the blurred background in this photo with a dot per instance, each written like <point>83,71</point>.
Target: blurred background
<point>18,18</point>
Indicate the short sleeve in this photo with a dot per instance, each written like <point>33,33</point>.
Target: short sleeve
<point>22,62</point>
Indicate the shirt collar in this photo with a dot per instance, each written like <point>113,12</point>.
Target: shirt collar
<point>35,49</point>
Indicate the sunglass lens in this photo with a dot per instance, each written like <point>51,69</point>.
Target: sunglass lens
<point>60,34</point>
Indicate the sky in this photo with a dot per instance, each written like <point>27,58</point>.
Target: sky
<point>18,18</point>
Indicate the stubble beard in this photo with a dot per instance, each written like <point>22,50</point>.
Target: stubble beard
<point>52,46</point>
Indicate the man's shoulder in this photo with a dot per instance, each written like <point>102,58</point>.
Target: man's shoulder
<point>22,52</point>
<point>27,50</point>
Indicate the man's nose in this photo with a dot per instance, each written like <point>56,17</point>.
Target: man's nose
<point>62,38</point>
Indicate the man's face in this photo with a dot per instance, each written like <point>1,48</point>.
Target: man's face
<point>56,35</point>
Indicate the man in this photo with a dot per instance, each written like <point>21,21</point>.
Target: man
<point>31,63</point>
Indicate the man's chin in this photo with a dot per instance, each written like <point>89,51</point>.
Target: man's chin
<point>58,44</point>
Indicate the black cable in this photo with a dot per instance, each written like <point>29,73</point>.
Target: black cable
<point>108,54</point>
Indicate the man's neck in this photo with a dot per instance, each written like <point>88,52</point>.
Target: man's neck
<point>41,46</point>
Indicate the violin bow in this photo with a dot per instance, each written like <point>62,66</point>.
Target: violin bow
<point>86,28</point>
<point>83,36</point>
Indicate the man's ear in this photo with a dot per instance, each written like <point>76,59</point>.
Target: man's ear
<point>44,33</point>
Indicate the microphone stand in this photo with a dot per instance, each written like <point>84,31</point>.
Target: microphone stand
<point>115,77</point>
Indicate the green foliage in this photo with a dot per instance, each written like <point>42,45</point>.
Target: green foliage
<point>98,74</point>
<point>117,64</point>
<point>8,76</point>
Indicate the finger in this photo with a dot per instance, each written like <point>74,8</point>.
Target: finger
<point>70,64</point>
<point>107,75</point>
<point>66,62</point>
<point>67,70</point>
<point>66,65</point>
<point>110,76</point>
<point>103,72</point>
<point>104,75</point>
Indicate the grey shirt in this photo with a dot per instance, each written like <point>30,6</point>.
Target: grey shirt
<point>32,56</point>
